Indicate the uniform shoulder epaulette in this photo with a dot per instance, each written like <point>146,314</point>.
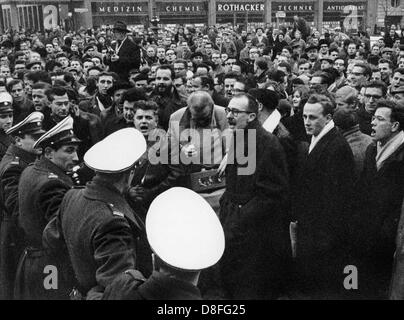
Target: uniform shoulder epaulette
<point>114,211</point>
<point>16,161</point>
<point>136,275</point>
<point>51,175</point>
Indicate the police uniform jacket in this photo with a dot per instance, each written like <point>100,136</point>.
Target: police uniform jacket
<point>40,192</point>
<point>5,141</point>
<point>11,166</point>
<point>101,232</point>
<point>11,236</point>
<point>41,189</point>
<point>132,286</point>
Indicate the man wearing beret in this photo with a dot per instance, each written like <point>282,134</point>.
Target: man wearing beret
<point>6,121</point>
<point>41,189</point>
<point>100,229</point>
<point>126,54</point>
<point>18,156</point>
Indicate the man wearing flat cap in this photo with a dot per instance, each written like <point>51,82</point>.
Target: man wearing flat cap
<point>6,121</point>
<point>34,66</point>
<point>312,56</point>
<point>18,156</point>
<point>177,236</point>
<point>126,54</point>
<point>100,229</point>
<point>41,189</point>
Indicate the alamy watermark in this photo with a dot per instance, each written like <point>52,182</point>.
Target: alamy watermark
<point>204,147</point>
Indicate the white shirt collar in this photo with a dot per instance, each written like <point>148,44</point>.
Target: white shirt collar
<point>384,152</point>
<point>314,140</point>
<point>272,121</point>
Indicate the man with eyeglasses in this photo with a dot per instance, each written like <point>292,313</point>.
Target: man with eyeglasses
<point>170,56</point>
<point>373,92</point>
<point>249,271</point>
<point>380,198</point>
<point>341,81</point>
<point>360,73</point>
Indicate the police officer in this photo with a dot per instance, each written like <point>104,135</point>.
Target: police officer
<point>186,236</point>
<point>41,189</point>
<point>18,156</point>
<point>6,121</point>
<point>100,229</point>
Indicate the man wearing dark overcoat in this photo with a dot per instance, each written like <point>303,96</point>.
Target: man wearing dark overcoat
<point>252,209</point>
<point>379,194</point>
<point>126,54</point>
<point>321,203</point>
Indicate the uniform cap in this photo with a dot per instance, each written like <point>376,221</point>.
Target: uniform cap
<point>184,230</point>
<point>31,124</point>
<point>62,133</point>
<point>6,102</point>
<point>118,152</point>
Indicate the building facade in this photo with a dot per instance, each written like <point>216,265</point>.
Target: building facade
<point>348,14</point>
<point>390,12</point>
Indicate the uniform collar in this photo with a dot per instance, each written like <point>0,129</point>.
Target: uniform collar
<point>99,189</point>
<point>161,286</point>
<point>25,156</point>
<point>47,165</point>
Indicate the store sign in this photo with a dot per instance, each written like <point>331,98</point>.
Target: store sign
<point>344,7</point>
<point>350,12</point>
<point>226,7</point>
<point>182,8</point>
<point>296,7</point>
<point>119,8</point>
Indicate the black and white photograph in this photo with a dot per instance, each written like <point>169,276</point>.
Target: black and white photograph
<point>214,151</point>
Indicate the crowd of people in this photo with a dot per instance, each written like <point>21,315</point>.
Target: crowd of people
<point>196,163</point>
